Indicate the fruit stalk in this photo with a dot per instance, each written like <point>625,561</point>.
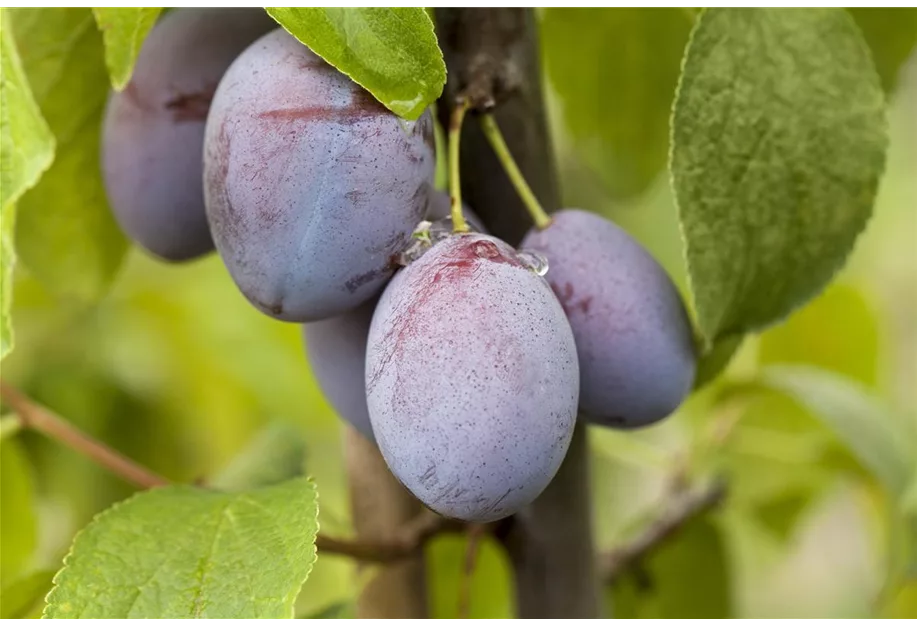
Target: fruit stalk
<point>455,187</point>
<point>495,137</point>
<point>492,58</point>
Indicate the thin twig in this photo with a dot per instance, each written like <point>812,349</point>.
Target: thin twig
<point>31,415</point>
<point>36,417</point>
<point>412,538</point>
<point>685,508</point>
<point>471,555</point>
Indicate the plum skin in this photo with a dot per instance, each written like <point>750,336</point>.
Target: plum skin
<point>336,350</point>
<point>472,379</point>
<point>633,334</point>
<point>153,131</point>
<point>312,187</point>
<point>336,347</point>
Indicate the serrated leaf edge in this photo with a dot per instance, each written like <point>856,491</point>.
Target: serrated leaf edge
<point>49,603</point>
<point>708,342</point>
<point>96,518</point>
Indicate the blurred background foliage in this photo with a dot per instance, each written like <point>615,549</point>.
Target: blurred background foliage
<point>174,368</point>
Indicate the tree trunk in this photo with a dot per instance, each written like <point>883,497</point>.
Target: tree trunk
<point>492,57</point>
<point>381,507</point>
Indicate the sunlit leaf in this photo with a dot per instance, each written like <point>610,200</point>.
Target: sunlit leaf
<point>65,233</point>
<point>392,52</point>
<point>187,552</point>
<point>26,151</point>
<point>123,31</point>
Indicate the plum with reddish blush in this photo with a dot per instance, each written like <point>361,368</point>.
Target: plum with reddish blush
<point>472,379</point>
<point>633,335</point>
<point>312,187</point>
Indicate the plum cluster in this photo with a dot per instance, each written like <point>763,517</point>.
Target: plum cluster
<point>465,360</point>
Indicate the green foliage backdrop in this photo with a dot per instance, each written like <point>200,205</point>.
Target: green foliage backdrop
<point>813,420</point>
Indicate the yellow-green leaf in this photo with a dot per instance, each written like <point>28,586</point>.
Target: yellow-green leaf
<point>17,513</point>
<point>391,52</point>
<point>189,552</point>
<point>26,151</point>
<point>65,232</point>
<point>837,331</point>
<point>123,30</point>
<point>614,71</point>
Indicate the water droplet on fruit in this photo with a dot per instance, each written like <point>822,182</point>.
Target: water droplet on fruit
<point>536,262</point>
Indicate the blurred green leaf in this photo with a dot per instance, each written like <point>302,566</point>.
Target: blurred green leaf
<point>908,509</point>
<point>123,31</point>
<point>880,440</point>
<point>903,603</point>
<point>391,52</point>
<point>688,577</point>
<point>491,583</point>
<point>23,595</point>
<point>778,143</point>
<point>17,511</point>
<point>186,552</point>
<point>341,610</point>
<point>26,151</point>
<point>781,513</point>
<point>276,454</point>
<point>891,34</point>
<point>715,360</point>
<point>837,331</point>
<point>615,71</point>
<point>65,233</point>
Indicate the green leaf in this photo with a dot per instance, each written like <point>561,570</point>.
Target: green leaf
<point>188,552</point>
<point>781,513</point>
<point>614,71</point>
<point>22,596</point>
<point>7,262</point>
<point>688,577</point>
<point>716,358</point>
<point>881,441</point>
<point>906,532</point>
<point>778,144</point>
<point>391,52</point>
<point>17,511</point>
<point>65,232</point>
<point>903,604</point>
<point>838,331</point>
<point>278,453</point>
<point>123,31</point>
<point>891,34</point>
<point>26,151</point>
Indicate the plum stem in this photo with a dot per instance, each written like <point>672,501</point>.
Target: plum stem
<point>495,137</point>
<point>455,187</point>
